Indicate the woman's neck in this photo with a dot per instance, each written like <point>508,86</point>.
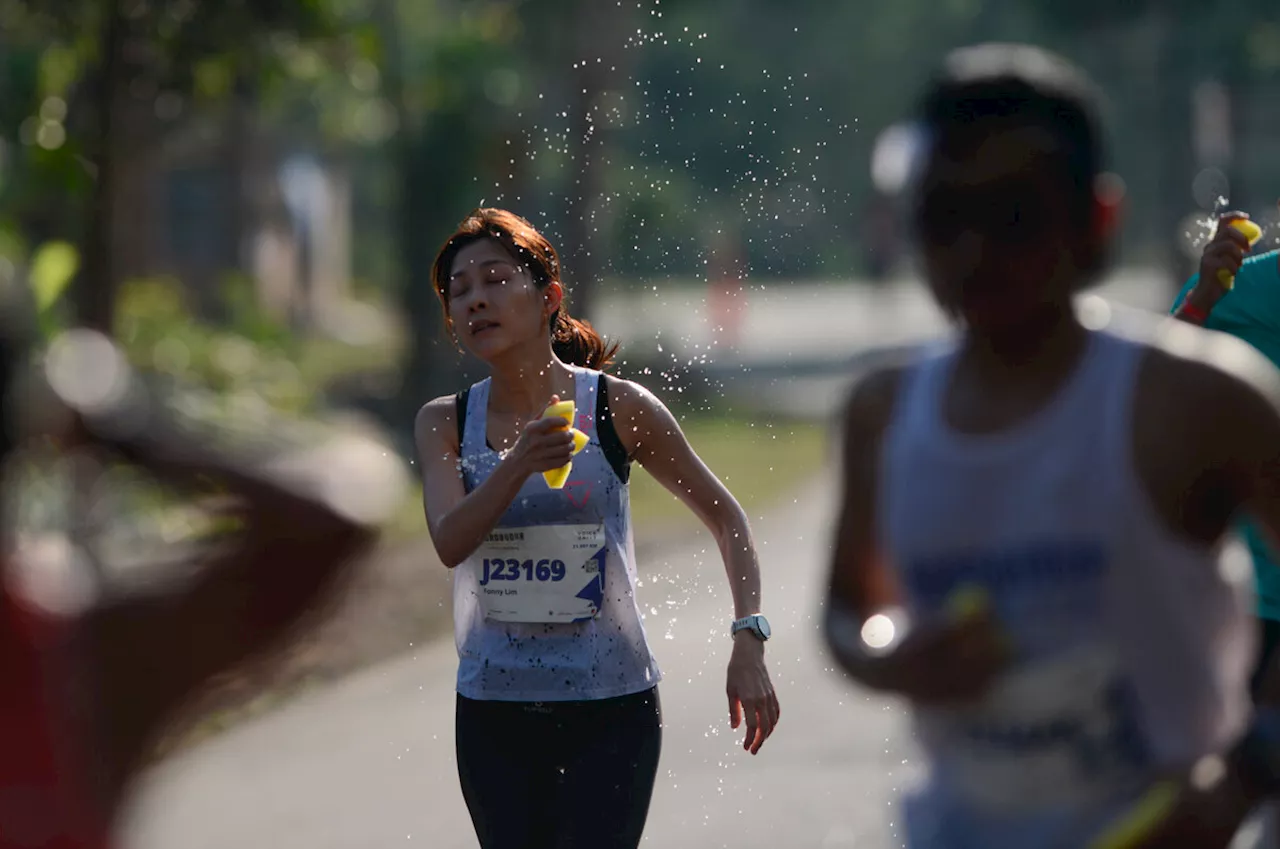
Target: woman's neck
<point>525,385</point>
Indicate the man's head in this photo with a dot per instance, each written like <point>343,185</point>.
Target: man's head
<point>1012,210</point>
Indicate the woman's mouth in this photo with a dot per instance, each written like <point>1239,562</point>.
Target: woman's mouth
<point>481,325</point>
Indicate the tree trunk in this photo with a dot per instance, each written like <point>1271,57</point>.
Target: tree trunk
<point>94,291</point>
<point>1178,73</point>
<point>425,209</point>
<point>599,35</point>
<point>236,194</point>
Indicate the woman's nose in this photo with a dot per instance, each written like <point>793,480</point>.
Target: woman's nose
<point>472,301</point>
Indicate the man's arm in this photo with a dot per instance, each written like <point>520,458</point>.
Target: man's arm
<point>148,652</point>
<point>1233,393</point>
<point>937,661</point>
<point>860,580</point>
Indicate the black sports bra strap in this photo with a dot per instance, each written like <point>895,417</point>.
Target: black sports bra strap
<point>607,433</point>
<point>460,413</point>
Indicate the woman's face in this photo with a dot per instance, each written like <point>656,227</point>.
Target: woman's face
<point>493,302</point>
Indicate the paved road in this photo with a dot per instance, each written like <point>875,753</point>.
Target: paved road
<point>369,764</point>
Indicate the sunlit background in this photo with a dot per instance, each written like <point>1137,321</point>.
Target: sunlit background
<point>248,195</point>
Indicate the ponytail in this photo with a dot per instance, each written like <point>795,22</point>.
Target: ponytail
<point>576,342</point>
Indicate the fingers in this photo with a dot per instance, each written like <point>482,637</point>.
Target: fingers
<point>769,713</point>
<point>554,424</point>
<point>545,458</point>
<point>761,713</point>
<point>751,741</point>
<point>766,720</point>
<point>546,444</point>
<point>550,434</point>
<point>1225,255</point>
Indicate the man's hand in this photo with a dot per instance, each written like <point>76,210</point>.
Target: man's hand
<point>1203,810</point>
<point>1224,253</point>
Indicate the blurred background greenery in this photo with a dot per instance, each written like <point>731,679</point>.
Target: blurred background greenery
<point>250,193</point>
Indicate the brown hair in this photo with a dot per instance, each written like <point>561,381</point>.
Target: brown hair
<point>572,340</point>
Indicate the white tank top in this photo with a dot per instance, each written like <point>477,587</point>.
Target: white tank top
<point>1133,646</point>
<point>598,658</point>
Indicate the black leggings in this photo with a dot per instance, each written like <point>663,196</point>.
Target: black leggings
<point>559,775</point>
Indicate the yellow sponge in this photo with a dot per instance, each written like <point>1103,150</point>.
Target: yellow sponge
<point>556,478</point>
<point>1253,233</point>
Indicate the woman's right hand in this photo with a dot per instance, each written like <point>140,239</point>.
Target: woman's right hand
<point>543,445</point>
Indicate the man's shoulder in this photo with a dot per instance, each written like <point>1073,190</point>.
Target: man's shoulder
<point>1200,371</point>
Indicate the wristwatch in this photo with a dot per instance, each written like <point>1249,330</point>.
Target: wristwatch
<point>755,623</point>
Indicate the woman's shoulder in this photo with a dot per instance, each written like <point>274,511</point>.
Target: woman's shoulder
<point>438,419</point>
<point>627,394</point>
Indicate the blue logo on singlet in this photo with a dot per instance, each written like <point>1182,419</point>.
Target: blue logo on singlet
<point>1046,593</point>
<point>1037,567</point>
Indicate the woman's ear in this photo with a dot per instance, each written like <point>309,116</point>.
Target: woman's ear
<point>553,297</point>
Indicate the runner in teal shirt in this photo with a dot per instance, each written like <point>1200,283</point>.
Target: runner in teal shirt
<point>1251,311</point>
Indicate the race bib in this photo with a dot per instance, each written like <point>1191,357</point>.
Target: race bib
<point>542,573</point>
<point>1064,731</point>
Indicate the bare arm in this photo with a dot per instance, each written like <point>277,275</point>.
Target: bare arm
<point>459,520</point>
<point>1247,429</point>
<point>1213,449</point>
<point>653,437</point>
<point>146,654</point>
<point>1207,441</point>
<point>861,582</point>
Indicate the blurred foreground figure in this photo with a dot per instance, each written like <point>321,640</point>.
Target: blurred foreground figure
<point>90,676</point>
<point>1239,294</point>
<point>1032,514</point>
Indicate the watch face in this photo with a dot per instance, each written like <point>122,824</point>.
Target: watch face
<point>762,625</point>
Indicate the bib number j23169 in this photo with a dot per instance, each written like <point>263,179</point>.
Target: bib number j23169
<point>499,569</point>
<point>541,573</point>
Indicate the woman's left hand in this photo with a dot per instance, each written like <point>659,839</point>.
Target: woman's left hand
<point>750,692</point>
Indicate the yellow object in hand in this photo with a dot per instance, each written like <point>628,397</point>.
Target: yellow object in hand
<point>1141,819</point>
<point>556,478</point>
<point>1253,233</point>
<point>967,601</point>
